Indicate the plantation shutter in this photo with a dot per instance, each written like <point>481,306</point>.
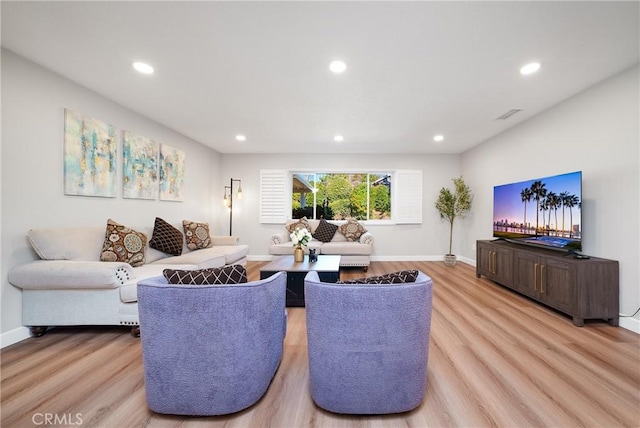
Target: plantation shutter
<point>407,201</point>
<point>273,196</point>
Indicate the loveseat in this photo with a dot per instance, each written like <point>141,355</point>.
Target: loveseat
<point>349,240</point>
<point>71,284</point>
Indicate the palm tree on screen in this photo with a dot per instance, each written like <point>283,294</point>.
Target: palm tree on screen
<point>572,201</point>
<point>544,206</point>
<point>553,201</point>
<point>564,197</point>
<point>539,191</point>
<point>526,194</point>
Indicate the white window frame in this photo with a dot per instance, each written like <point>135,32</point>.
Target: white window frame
<point>406,195</point>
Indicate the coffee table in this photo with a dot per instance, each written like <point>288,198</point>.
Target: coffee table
<point>328,268</point>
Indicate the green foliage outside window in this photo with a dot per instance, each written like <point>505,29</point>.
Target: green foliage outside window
<point>340,196</point>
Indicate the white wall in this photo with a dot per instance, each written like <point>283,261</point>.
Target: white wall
<point>401,242</point>
<point>597,132</point>
<point>33,103</point>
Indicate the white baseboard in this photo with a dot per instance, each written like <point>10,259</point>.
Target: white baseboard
<point>631,324</point>
<point>14,336</point>
<point>467,260</point>
<point>420,258</point>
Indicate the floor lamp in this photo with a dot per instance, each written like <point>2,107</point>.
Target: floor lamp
<point>228,200</point>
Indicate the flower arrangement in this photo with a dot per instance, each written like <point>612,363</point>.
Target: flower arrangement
<point>300,236</point>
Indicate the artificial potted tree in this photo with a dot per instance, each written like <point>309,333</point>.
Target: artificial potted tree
<point>451,206</point>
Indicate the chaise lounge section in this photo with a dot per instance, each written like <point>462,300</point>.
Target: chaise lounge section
<point>70,285</point>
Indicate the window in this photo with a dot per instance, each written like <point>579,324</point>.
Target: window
<point>400,190</point>
<point>337,196</point>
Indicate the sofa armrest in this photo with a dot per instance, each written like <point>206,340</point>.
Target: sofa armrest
<point>279,238</point>
<point>366,238</point>
<point>225,240</point>
<point>70,274</point>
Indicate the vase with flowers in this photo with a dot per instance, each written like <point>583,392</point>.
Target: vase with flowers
<point>300,237</point>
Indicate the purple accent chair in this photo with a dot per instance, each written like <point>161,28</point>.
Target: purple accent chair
<point>368,344</point>
<point>210,349</point>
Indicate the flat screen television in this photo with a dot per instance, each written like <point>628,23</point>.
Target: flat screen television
<point>542,212</point>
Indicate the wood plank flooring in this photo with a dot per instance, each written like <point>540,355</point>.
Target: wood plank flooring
<point>496,359</point>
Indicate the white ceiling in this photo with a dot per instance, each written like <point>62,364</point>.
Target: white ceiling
<point>415,69</point>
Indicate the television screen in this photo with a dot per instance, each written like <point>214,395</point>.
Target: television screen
<point>543,212</point>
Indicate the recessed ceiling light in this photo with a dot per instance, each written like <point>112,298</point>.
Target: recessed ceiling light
<point>530,68</point>
<point>337,66</point>
<point>143,68</point>
<point>241,137</point>
<point>438,138</point>
<point>338,138</point>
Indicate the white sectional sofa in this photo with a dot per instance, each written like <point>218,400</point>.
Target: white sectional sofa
<point>69,285</point>
<point>355,253</point>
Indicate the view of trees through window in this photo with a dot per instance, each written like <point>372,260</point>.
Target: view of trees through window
<point>364,196</point>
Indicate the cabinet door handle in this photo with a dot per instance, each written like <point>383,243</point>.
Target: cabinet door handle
<point>490,261</point>
<point>535,277</point>
<point>494,262</point>
<point>542,279</point>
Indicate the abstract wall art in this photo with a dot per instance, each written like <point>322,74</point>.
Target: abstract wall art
<point>139,166</point>
<point>90,156</point>
<point>171,173</point>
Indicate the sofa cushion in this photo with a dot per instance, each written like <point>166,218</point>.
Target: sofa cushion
<point>203,259</point>
<point>293,225</point>
<point>232,253</point>
<point>233,274</point>
<point>67,243</point>
<point>352,230</point>
<point>123,244</point>
<point>196,234</point>
<point>166,238</point>
<point>325,231</point>
<point>399,277</point>
<point>345,248</point>
<point>286,248</point>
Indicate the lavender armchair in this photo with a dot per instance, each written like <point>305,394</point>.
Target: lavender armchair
<point>368,344</point>
<point>210,349</point>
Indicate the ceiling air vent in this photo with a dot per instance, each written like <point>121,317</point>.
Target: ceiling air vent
<point>508,114</point>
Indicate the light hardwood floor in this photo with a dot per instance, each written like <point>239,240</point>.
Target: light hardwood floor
<point>495,359</point>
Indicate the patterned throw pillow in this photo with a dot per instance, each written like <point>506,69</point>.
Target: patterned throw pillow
<point>122,244</point>
<point>196,235</point>
<point>299,224</point>
<point>352,230</point>
<point>325,231</point>
<point>232,274</point>
<point>399,277</point>
<point>166,238</point>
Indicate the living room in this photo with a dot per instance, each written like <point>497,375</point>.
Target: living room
<point>594,130</point>
<point>585,132</point>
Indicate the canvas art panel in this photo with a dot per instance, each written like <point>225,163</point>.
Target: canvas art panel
<point>139,166</point>
<point>171,173</point>
<point>90,156</point>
